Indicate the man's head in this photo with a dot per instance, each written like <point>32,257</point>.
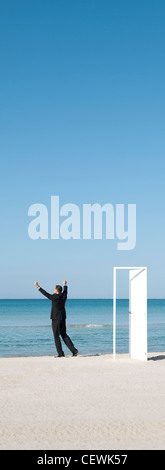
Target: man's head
<point>58,290</point>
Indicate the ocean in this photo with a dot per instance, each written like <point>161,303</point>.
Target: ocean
<point>25,326</point>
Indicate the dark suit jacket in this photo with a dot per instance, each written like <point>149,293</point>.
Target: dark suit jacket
<point>58,311</point>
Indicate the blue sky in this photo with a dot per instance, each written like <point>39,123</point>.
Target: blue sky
<point>82,117</point>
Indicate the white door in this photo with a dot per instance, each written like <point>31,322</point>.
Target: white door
<point>138,313</point>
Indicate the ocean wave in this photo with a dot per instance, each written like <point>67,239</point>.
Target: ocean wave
<point>83,325</point>
<point>90,325</point>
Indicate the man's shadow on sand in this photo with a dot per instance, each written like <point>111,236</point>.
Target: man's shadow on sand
<point>156,358</point>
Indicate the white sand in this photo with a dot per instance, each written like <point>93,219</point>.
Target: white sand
<point>84,402</point>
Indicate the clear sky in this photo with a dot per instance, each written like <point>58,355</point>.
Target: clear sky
<point>82,109</point>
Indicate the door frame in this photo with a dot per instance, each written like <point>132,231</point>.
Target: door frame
<point>114,300</point>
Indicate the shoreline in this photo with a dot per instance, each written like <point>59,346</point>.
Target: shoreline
<point>83,402</point>
<point>110,355</point>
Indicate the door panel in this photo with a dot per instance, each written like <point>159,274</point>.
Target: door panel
<point>138,314</point>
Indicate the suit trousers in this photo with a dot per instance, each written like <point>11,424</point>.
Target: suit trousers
<point>59,329</point>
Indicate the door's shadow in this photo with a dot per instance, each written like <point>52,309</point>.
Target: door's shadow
<point>156,358</point>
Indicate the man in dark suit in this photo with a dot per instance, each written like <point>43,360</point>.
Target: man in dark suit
<point>58,317</point>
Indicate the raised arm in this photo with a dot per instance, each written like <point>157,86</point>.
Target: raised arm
<point>49,296</point>
<point>64,293</point>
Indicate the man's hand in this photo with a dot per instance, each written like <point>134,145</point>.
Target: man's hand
<point>36,284</point>
<point>64,282</point>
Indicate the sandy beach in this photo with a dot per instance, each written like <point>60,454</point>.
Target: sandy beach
<point>84,402</point>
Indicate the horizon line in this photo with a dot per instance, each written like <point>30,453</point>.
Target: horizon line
<point>82,298</point>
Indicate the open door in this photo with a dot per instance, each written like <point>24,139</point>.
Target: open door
<point>138,313</point>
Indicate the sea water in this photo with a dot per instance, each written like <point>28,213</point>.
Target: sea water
<point>25,326</point>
